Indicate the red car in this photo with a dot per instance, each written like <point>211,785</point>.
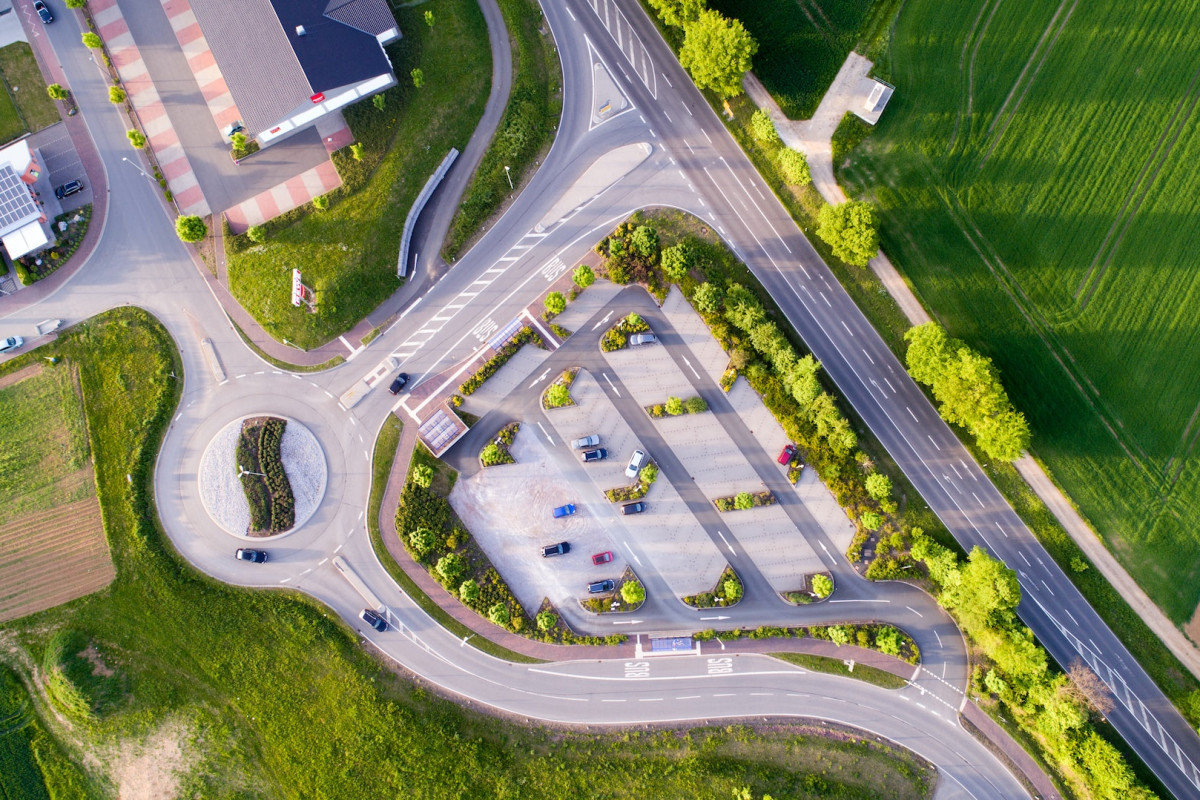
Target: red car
<point>789,452</point>
<point>602,558</point>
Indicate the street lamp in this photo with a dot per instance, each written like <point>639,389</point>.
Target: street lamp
<point>243,471</point>
<point>135,166</point>
<point>509,176</point>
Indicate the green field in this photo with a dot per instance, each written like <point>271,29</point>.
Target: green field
<point>1035,174</point>
<point>24,104</point>
<point>348,253</point>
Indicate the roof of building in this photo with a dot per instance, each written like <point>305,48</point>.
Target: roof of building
<point>271,70</point>
<point>26,239</point>
<point>17,155</point>
<point>17,206</point>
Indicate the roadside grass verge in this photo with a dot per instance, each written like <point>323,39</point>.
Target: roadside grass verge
<point>348,252</point>
<point>32,107</point>
<point>526,129</point>
<point>833,666</point>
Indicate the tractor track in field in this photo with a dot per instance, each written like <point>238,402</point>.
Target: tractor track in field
<point>974,35</point>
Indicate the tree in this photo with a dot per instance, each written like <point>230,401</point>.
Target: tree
<point>583,276</point>
<point>423,541</point>
<point>871,520</point>
<point>632,592</point>
<point>490,455</point>
<point>677,261</point>
<point>57,92</point>
<point>763,128</point>
<point>429,19</point>
<point>1090,688</point>
<point>644,241</point>
<point>706,298</point>
<point>649,474</point>
<point>674,406</point>
<point>558,396</point>
<point>839,634</point>
<point>802,381</point>
<point>887,641</point>
<point>677,12</point>
<point>418,77</point>
<point>190,229</point>
<point>92,40</point>
<point>849,228</point>
<point>500,615</point>
<point>116,95</point>
<point>356,150</point>
<point>238,141</point>
<point>987,594</point>
<point>422,475</point>
<point>321,202</point>
<point>379,101</point>
<point>256,234</point>
<point>743,500</point>
<point>468,591</point>
<point>136,138</point>
<point>547,620</point>
<point>733,590</point>
<point>555,303</point>
<point>452,567</point>
<point>794,167</point>
<point>717,52</point>
<point>695,405</point>
<point>822,585</point>
<point>878,486</point>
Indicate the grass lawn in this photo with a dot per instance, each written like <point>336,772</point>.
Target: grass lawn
<point>33,108</point>
<point>348,253</point>
<point>835,666</point>
<point>268,696</point>
<point>1037,189</point>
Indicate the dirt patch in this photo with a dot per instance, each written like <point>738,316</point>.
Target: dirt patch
<point>20,375</point>
<point>1192,628</point>
<point>151,768</point>
<point>97,661</point>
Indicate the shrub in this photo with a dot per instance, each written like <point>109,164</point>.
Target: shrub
<point>707,298</point>
<point>491,455</point>
<point>644,241</point>
<point>57,92</point>
<point>555,303</point>
<point>423,542</point>
<point>558,396</point>
<point>743,500</point>
<point>839,634</point>
<point>583,276</point>
<point>546,620</point>
<point>674,406</point>
<point>632,592</point>
<point>696,405</point>
<point>422,475</point>
<point>452,567</point>
<point>356,151</point>
<point>418,77</point>
<point>321,202</point>
<point>763,128</point>
<point>136,138</point>
<point>878,486</point>
<point>822,585</point>
<point>116,95</point>
<point>794,167</point>
<point>649,474</point>
<point>468,591</point>
<point>871,520</point>
<point>677,261</point>
<point>256,234</point>
<point>733,590</point>
<point>92,40</point>
<point>888,640</point>
<point>190,229</point>
<point>76,3</point>
<point>500,615</point>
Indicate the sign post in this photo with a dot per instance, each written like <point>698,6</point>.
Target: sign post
<point>301,293</point>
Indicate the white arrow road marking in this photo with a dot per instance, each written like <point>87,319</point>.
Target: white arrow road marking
<point>610,384</point>
<point>726,541</point>
<point>548,436</point>
<point>693,369</point>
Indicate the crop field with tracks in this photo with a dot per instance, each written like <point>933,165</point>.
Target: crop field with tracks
<point>52,545</point>
<point>1035,173</point>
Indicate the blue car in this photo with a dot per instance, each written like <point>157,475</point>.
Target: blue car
<point>564,511</point>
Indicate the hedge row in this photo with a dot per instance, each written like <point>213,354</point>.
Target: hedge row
<point>744,500</point>
<point>646,479</point>
<point>493,365</point>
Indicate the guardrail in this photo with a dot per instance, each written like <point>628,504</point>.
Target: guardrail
<point>418,206</point>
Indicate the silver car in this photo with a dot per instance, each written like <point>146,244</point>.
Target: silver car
<point>11,343</point>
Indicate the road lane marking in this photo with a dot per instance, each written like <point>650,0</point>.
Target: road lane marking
<point>601,322</point>
<point>1068,613</point>
<point>931,441</point>
<point>726,541</point>
<point>610,383</point>
<point>868,355</point>
<point>939,638</point>
<point>889,383</point>
<point>847,327</point>
<point>1021,553</point>
<point>1002,530</point>
<point>918,613</point>
<point>977,500</point>
<point>706,136</point>
<point>693,369</point>
<point>826,299</point>
<point>548,436</point>
<point>1048,589</point>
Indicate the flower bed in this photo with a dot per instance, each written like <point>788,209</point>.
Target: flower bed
<point>272,507</point>
<point>617,337</point>
<point>493,365</point>
<point>744,500</point>
<point>676,406</point>
<point>497,451</point>
<point>34,267</point>
<point>560,331</point>
<point>628,595</point>
<point>552,628</point>
<point>884,638</point>
<point>558,394</point>
<point>820,586</point>
<point>727,592</point>
<point>646,479</point>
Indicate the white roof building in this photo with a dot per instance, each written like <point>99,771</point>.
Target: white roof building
<point>21,216</point>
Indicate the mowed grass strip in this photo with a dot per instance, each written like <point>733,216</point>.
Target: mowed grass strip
<point>27,87</point>
<point>283,698</point>
<point>1035,177</point>
<point>348,253</point>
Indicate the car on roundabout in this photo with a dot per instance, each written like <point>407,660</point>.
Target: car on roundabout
<point>374,619</point>
<point>253,556</point>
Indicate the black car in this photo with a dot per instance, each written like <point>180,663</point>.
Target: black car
<point>374,619</point>
<point>601,587</point>
<point>246,554</point>
<point>43,12</point>
<point>633,508</point>
<point>398,384</point>
<point>68,189</point>
<point>560,549</point>
<point>599,454</point>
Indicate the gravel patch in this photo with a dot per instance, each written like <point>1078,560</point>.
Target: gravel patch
<point>221,491</point>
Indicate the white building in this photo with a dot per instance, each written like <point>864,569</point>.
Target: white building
<point>22,220</point>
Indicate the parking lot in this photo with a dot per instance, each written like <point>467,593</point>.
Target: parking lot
<point>61,161</point>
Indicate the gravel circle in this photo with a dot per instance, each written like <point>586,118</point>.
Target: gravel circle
<point>221,491</point>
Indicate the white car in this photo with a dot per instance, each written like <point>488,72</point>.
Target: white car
<point>636,462</point>
<point>11,343</point>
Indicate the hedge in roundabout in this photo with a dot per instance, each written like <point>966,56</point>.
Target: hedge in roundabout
<point>272,506</point>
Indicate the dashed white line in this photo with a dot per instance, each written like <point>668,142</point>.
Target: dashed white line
<point>688,697</point>
<point>910,413</point>
<point>1002,530</point>
<point>847,327</point>
<point>1068,613</point>
<point>931,441</point>
<point>1048,589</point>
<point>977,500</point>
<point>727,694</point>
<point>889,383</point>
<point>1021,553</point>
<point>706,136</point>
<point>868,355</point>
<point>826,299</point>
<point>668,80</point>
<point>918,613</point>
<point>939,638</point>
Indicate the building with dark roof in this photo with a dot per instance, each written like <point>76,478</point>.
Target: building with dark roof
<point>288,63</point>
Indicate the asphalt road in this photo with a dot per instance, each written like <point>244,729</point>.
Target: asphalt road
<point>696,166</point>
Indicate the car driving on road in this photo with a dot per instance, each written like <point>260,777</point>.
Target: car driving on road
<point>374,619</point>
<point>246,554</point>
<point>636,462</point>
<point>564,511</point>
<point>560,549</point>
<point>599,454</point>
<point>43,12</point>
<point>399,383</point>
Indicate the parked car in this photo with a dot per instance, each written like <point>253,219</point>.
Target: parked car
<point>246,554</point>
<point>599,454</point>
<point>564,511</point>
<point>587,441</point>
<point>602,558</point>
<point>633,508</point>
<point>68,189</point>
<point>787,454</point>
<point>560,549</point>
<point>11,343</point>
<point>642,338</point>
<point>636,462</point>
<point>43,12</point>
<point>398,384</point>
<point>601,587</point>
<point>374,619</point>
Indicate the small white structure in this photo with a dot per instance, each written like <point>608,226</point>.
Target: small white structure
<point>22,220</point>
<point>875,94</point>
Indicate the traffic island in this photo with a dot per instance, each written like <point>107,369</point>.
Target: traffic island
<point>726,594</point>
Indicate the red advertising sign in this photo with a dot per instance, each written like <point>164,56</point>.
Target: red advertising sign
<point>319,97</point>
<point>297,288</point>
